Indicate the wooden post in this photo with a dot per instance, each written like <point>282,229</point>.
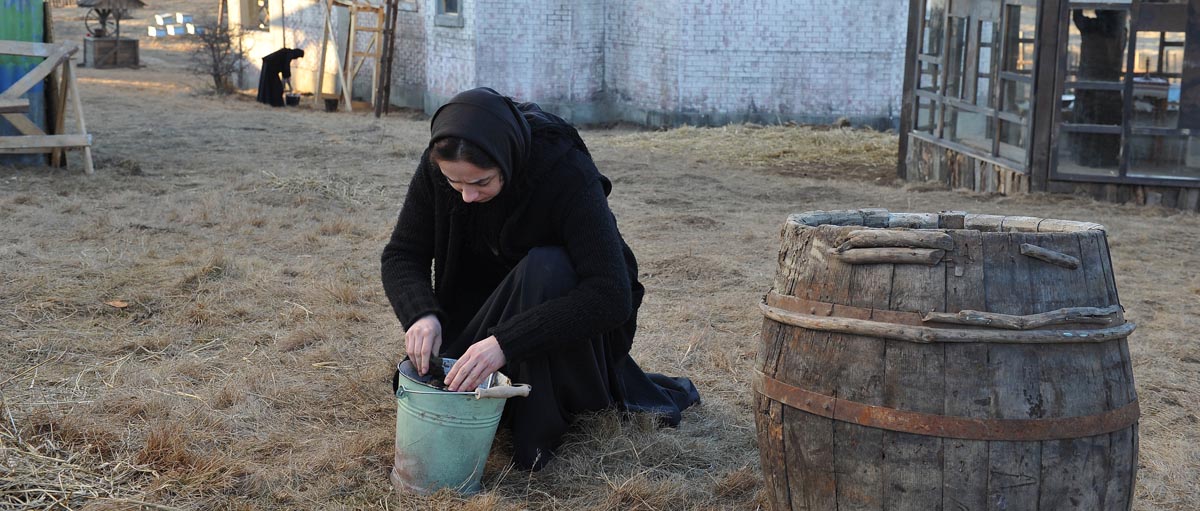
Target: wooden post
<point>908,100</point>
<point>78,103</point>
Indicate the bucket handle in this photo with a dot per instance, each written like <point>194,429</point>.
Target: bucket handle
<point>501,392</point>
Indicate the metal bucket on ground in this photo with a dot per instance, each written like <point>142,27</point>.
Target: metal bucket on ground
<point>443,438</point>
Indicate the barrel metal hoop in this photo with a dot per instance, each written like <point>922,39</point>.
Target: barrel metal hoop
<point>927,424</point>
<point>927,335</point>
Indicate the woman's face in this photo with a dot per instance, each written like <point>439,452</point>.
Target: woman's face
<point>476,184</point>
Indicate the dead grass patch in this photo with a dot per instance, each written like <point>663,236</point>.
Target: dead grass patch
<point>303,337</point>
<point>780,146</point>
<point>219,266</point>
<point>329,186</point>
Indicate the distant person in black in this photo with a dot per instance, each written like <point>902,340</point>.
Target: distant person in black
<point>529,275</point>
<point>270,86</point>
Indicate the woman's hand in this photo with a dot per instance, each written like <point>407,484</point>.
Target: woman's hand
<point>481,359</point>
<point>422,339</point>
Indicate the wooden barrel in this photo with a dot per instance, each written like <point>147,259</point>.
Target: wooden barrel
<point>945,361</point>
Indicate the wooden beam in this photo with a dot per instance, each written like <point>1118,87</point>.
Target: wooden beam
<point>916,12</point>
<point>22,123</point>
<point>73,85</point>
<point>321,60</point>
<point>13,106</point>
<point>37,74</point>
<point>27,49</point>
<point>21,142</point>
<point>58,79</point>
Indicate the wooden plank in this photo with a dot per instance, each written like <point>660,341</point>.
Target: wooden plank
<point>14,106</point>
<point>1109,278</point>
<point>1020,224</point>
<point>23,124</point>
<point>1075,471</point>
<point>36,75</point>
<point>858,450</point>
<point>1092,265</point>
<point>31,49</point>
<point>794,271</point>
<point>772,451</point>
<point>914,380</point>
<point>1055,287</point>
<point>968,393</point>
<point>1118,488</point>
<point>833,286</point>
<point>1045,93</point>
<point>1014,467</point>
<point>1190,199</point>
<point>19,142</point>
<point>73,85</point>
<point>808,438</point>
<point>59,108</point>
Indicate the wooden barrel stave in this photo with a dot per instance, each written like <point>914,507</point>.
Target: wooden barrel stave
<point>847,466</point>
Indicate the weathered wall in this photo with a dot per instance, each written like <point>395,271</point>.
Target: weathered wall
<point>552,50</point>
<point>723,61</point>
<point>294,24</point>
<point>657,63</point>
<point>408,68</point>
<point>642,58</point>
<point>450,58</point>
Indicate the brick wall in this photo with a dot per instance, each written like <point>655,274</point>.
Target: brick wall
<point>718,61</point>
<point>551,49</point>
<point>659,63</point>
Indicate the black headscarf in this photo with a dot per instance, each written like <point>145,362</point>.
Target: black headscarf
<point>489,120</point>
<point>505,131</point>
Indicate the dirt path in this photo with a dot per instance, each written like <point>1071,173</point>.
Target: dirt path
<point>250,367</point>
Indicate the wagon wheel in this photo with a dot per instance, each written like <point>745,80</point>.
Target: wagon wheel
<point>103,22</point>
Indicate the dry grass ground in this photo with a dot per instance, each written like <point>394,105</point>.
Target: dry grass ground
<point>200,324</point>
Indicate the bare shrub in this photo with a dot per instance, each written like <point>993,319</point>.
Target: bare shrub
<point>219,55</point>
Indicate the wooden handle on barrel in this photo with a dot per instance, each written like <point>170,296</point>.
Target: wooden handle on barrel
<point>1050,256</point>
<point>504,392</point>
<point>890,255</point>
<point>886,238</point>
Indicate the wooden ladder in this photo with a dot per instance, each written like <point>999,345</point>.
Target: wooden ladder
<point>350,60</point>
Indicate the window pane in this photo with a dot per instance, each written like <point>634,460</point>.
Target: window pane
<point>988,32</point>
<point>1096,46</point>
<point>449,6</point>
<point>926,116</point>
<point>956,53</point>
<point>1158,73</point>
<point>929,77</point>
<point>1015,97</point>
<point>1169,156</point>
<point>263,13</point>
<point>1012,141</point>
<point>1092,154</point>
<point>1019,40</point>
<point>934,27</point>
<point>969,128</point>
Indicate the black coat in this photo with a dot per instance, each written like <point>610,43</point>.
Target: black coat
<point>563,202</point>
<point>270,85</point>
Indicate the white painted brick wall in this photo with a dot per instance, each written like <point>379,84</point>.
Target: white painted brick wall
<point>764,59</point>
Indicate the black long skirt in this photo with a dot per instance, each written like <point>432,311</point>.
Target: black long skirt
<point>270,86</point>
<point>588,375</point>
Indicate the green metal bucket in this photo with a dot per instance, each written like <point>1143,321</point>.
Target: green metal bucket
<point>443,438</point>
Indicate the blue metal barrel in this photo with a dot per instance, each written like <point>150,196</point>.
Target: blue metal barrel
<point>22,20</point>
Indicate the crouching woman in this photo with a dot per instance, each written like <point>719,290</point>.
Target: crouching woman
<point>529,276</point>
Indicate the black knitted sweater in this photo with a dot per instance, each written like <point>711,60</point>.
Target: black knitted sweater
<point>558,199</point>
